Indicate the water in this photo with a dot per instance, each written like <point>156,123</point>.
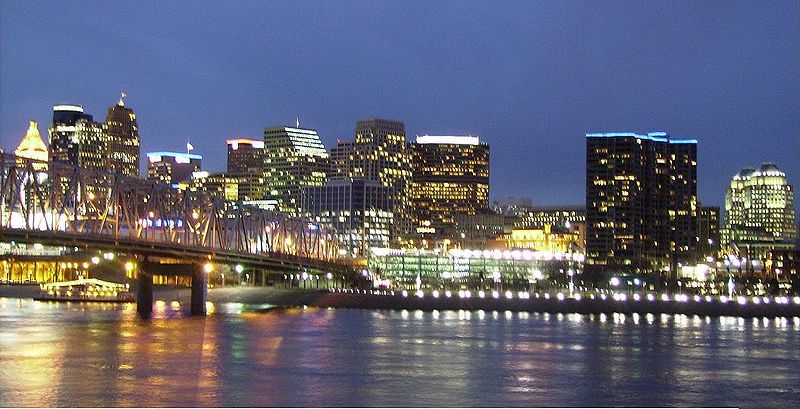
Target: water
<point>56,354</point>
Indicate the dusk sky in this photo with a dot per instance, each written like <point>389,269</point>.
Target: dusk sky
<point>530,78</point>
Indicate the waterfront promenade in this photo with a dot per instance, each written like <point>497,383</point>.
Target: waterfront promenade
<point>429,301</point>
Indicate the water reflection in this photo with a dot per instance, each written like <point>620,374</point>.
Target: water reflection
<point>58,354</point>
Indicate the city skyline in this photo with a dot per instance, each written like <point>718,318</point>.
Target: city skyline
<point>735,90</point>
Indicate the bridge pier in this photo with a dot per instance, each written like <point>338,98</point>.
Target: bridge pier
<point>144,295</point>
<point>199,292</point>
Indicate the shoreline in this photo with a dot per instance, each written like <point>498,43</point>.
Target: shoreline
<point>384,300</point>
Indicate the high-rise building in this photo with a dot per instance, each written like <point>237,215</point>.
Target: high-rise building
<point>245,156</point>
<point>32,146</point>
<point>759,209</point>
<point>359,210</point>
<point>172,167</point>
<point>641,203</point>
<point>450,177</point>
<point>294,158</point>
<point>123,138</point>
<point>379,152</point>
<point>76,139</point>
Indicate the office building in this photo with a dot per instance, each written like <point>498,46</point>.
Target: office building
<point>708,239</point>
<point>359,210</point>
<point>759,211</point>
<point>172,167</point>
<point>294,158</point>
<point>123,138</point>
<point>450,177</point>
<point>641,204</point>
<point>379,152</point>
<point>76,139</point>
<point>245,156</point>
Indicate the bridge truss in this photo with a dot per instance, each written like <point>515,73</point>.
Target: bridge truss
<point>57,198</point>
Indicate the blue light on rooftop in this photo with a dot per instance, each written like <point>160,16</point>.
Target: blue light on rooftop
<point>176,155</point>
<point>659,136</point>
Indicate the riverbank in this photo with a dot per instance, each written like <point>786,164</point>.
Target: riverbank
<point>372,299</point>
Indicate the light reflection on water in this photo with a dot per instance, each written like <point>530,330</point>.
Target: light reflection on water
<point>57,354</point>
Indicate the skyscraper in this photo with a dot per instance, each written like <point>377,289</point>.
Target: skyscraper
<point>759,210</point>
<point>294,158</point>
<point>450,177</point>
<point>76,139</point>
<point>379,152</point>
<point>245,156</point>
<point>123,137</point>
<point>641,203</point>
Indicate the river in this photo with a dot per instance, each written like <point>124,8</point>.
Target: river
<point>70,354</point>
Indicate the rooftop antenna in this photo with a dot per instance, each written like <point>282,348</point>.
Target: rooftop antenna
<point>297,121</point>
<point>122,96</point>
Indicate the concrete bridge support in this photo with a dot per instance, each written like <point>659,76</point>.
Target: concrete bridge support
<point>199,292</point>
<point>144,295</point>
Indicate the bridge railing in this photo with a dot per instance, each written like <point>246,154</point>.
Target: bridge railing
<point>59,197</point>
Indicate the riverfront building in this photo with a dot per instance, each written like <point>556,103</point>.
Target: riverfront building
<point>759,212</point>
<point>379,152</point>
<point>359,210</point>
<point>450,177</point>
<point>172,167</point>
<point>294,158</point>
<point>124,153</point>
<point>468,269</point>
<point>641,203</point>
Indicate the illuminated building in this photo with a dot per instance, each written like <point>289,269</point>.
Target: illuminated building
<point>294,158</point>
<point>172,167</point>
<point>32,146</point>
<point>359,210</point>
<point>76,139</point>
<point>518,270</point>
<point>450,177</point>
<point>123,139</point>
<point>246,166</point>
<point>379,152</point>
<point>759,211</point>
<point>476,230</point>
<point>544,239</point>
<point>245,156</point>
<point>641,199</point>
<point>782,264</point>
<point>216,184</point>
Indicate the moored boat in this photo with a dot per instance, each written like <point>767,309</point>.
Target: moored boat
<point>85,290</point>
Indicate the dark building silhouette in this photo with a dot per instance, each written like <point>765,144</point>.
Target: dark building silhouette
<point>641,204</point>
<point>76,139</point>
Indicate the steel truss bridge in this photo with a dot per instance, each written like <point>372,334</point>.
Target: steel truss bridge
<point>60,204</point>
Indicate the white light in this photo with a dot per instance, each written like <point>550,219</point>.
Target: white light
<point>435,293</point>
<point>481,294</point>
<point>696,298</point>
<point>448,294</point>
<point>239,268</point>
<point>560,297</point>
<point>460,293</point>
<point>723,299</point>
<point>509,295</point>
<point>623,297</point>
<point>547,296</point>
<point>420,294</point>
<point>636,297</point>
<point>405,293</point>
<point>797,300</point>
<point>708,298</point>
<point>450,140</point>
<point>495,294</point>
<point>467,294</point>
<point>741,300</point>
<point>756,300</point>
<point>577,297</point>
<point>766,300</point>
<point>664,297</point>
<point>651,297</point>
<point>603,297</point>
<point>614,281</point>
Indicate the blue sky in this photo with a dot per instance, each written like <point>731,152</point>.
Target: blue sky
<point>530,78</point>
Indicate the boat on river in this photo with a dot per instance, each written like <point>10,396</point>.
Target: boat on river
<point>85,290</point>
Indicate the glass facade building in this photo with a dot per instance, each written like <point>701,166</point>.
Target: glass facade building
<point>76,139</point>
<point>379,152</point>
